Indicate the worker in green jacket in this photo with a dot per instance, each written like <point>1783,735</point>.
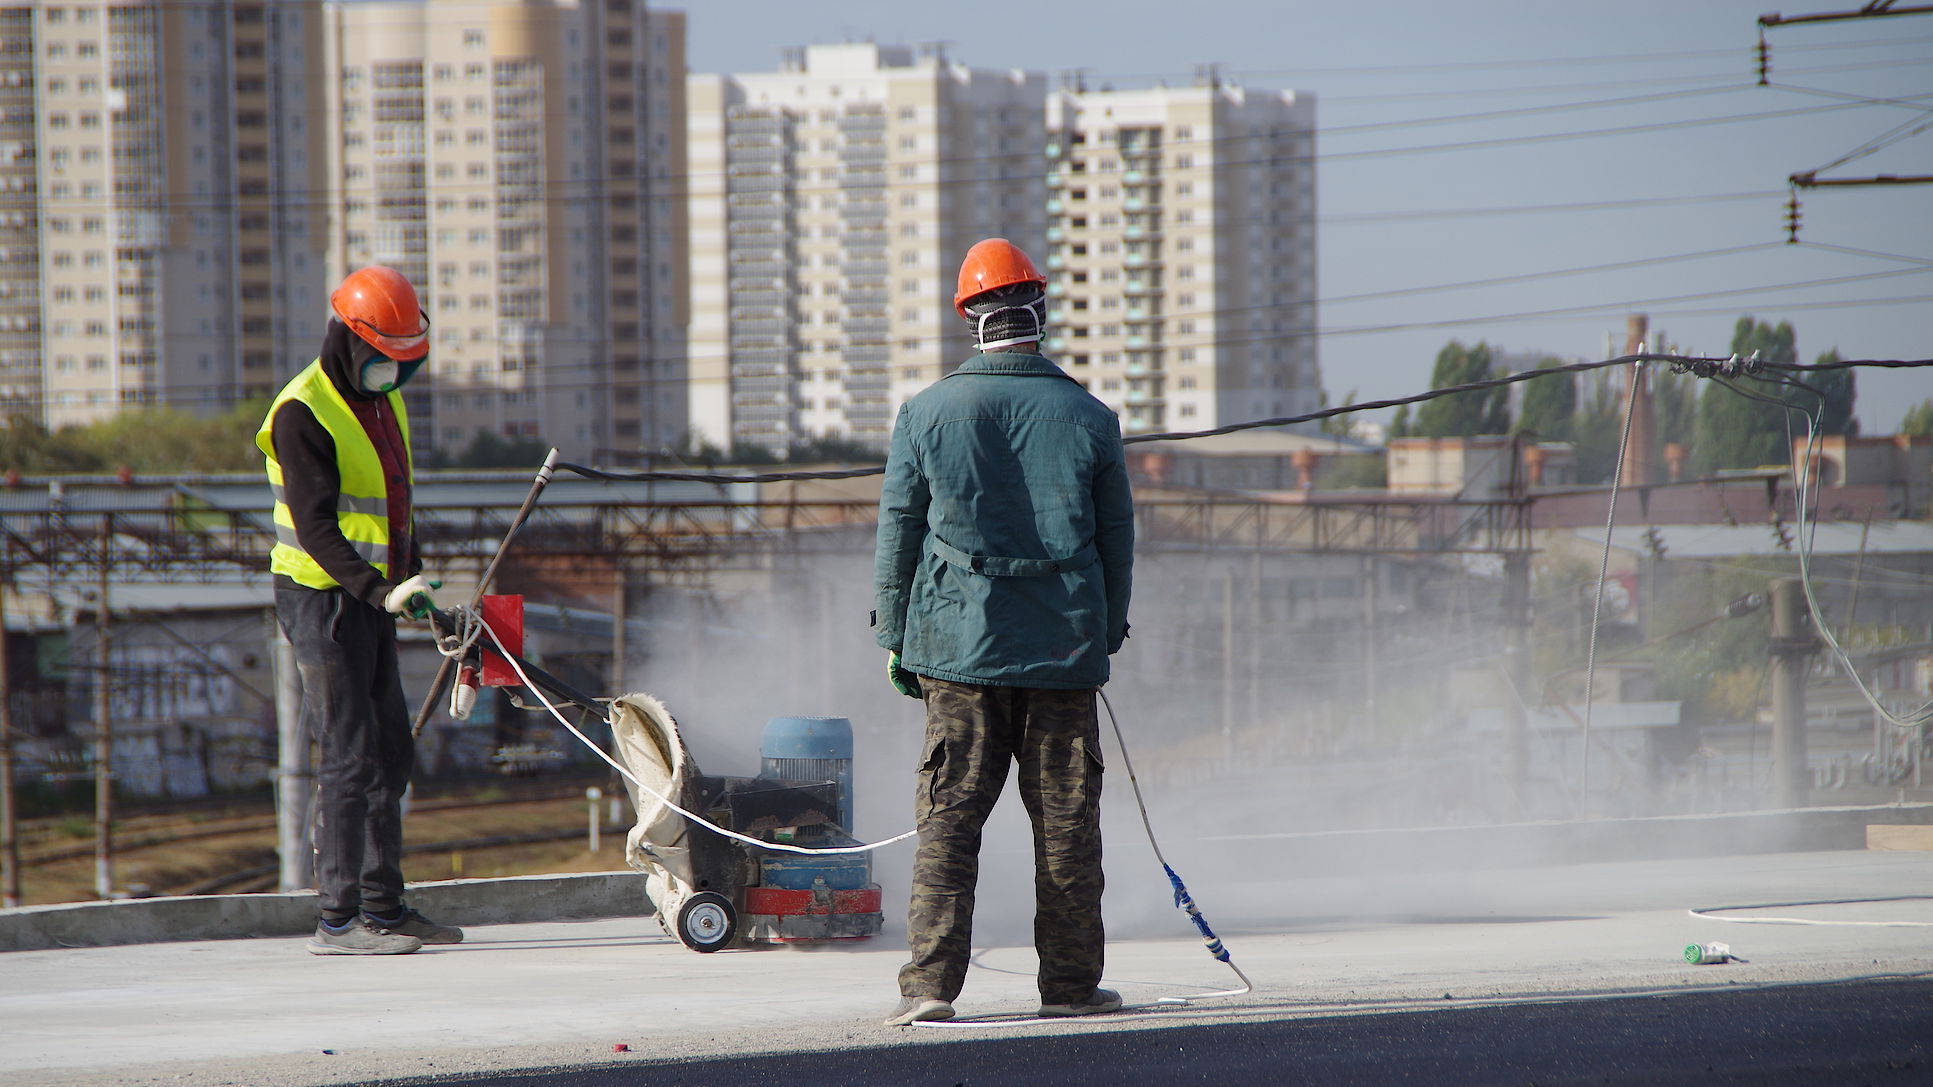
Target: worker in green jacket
<point>1002,574</point>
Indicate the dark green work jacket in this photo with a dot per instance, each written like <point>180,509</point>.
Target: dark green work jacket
<point>1006,531</point>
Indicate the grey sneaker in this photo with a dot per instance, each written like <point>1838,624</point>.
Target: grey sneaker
<point>914,1009</point>
<point>415,924</point>
<point>360,937</point>
<point>1100,1000</point>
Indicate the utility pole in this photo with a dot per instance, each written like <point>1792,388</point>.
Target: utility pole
<point>1369,609</point>
<point>9,829</point>
<point>1640,456</point>
<point>294,769</point>
<point>620,618</point>
<point>1516,627</point>
<point>1793,643</point>
<point>103,728</point>
<point>1228,652</point>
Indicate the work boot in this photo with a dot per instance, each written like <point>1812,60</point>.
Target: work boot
<point>408,922</point>
<point>360,936</point>
<point>915,1009</point>
<point>1101,1000</point>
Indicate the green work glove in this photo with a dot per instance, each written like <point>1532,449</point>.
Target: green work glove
<point>906,683</point>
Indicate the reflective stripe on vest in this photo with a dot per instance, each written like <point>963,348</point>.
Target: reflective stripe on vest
<point>362,501</point>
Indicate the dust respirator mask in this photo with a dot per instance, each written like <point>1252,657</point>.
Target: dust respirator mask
<point>1007,316</point>
<point>381,375</point>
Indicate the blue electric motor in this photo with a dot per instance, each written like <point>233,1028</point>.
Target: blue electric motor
<point>810,749</point>
<point>805,896</point>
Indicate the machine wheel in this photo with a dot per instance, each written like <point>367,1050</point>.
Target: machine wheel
<point>706,921</point>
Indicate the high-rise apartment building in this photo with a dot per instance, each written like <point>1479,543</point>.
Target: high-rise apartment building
<point>1182,262</point>
<point>516,160</point>
<point>160,239</point>
<point>830,204</point>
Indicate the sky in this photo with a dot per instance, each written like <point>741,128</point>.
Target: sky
<point>1642,122</point>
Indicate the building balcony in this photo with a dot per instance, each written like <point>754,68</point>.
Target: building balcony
<point>1055,233</point>
<point>1056,261</point>
<point>1054,205</point>
<point>1141,233</point>
<point>1139,260</point>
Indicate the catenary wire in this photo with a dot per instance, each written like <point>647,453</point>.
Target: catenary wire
<point>576,190</point>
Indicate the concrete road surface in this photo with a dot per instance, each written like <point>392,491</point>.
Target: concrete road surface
<point>1565,974</point>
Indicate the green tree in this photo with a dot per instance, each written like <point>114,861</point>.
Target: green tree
<point>26,446</point>
<point>489,450</point>
<point>1596,429</point>
<point>1837,390</point>
<point>1353,471</point>
<point>1337,426</point>
<point>828,450</point>
<point>1400,425</point>
<point>1737,431</point>
<point>1674,399</point>
<point>1548,404</point>
<point>145,440</point>
<point>1464,414</point>
<point>1918,421</point>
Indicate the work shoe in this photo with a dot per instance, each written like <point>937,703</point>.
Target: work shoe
<point>411,923</point>
<point>1100,1000</point>
<point>915,1009</point>
<point>360,936</point>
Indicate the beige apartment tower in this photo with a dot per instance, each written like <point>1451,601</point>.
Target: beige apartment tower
<point>830,204</point>
<point>515,160</point>
<point>1182,267</point>
<point>160,226</point>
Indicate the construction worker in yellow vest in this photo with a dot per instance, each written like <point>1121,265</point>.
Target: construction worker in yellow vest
<point>345,566</point>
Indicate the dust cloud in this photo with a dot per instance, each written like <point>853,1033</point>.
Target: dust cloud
<point>1290,717</point>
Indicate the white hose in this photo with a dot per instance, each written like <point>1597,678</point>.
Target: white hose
<point>1707,913</point>
<point>660,797</point>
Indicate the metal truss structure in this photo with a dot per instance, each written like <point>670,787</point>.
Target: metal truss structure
<point>184,534</point>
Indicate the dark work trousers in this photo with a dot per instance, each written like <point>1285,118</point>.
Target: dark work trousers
<point>973,733</point>
<point>352,703</point>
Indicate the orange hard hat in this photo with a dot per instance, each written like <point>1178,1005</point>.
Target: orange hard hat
<point>378,304</point>
<point>991,265</point>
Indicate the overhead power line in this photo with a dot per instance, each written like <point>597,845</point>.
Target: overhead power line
<point>1702,366</point>
<point>679,186</point>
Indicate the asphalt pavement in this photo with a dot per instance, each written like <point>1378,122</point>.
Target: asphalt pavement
<point>1564,974</point>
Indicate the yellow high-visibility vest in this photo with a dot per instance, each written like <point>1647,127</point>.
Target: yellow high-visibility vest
<point>362,502</point>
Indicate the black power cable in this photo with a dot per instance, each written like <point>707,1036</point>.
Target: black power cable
<point>1716,368</point>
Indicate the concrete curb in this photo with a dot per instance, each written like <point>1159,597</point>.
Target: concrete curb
<point>514,900</point>
<point>1517,845</point>
<point>525,899</point>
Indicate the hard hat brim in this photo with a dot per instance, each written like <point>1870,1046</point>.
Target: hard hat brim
<point>405,347</point>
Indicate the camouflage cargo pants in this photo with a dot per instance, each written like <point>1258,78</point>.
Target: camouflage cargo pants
<point>973,734</point>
